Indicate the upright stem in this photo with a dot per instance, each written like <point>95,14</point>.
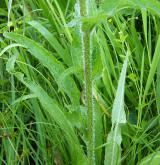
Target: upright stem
<point>12,77</point>
<point>87,63</point>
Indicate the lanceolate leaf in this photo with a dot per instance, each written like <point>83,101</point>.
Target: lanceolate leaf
<point>52,40</point>
<point>118,113</point>
<point>49,61</point>
<point>112,152</point>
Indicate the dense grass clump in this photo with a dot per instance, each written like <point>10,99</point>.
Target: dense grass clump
<point>80,82</point>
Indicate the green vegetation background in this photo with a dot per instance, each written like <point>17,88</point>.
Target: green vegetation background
<point>43,115</point>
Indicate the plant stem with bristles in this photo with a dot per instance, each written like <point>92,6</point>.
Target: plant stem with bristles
<point>87,63</point>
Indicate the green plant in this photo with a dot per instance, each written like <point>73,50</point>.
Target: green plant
<point>87,65</point>
<point>52,102</point>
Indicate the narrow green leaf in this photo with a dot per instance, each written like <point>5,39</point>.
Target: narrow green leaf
<point>51,39</point>
<point>112,150</point>
<point>53,109</point>
<point>118,113</point>
<point>49,61</point>
<point>153,68</point>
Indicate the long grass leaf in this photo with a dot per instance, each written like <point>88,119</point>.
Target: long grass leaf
<point>153,68</point>
<point>53,110</point>
<point>49,61</point>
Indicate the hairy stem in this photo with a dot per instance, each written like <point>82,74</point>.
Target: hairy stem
<point>87,63</point>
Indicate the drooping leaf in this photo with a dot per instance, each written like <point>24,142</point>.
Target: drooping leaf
<point>52,40</point>
<point>49,61</point>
